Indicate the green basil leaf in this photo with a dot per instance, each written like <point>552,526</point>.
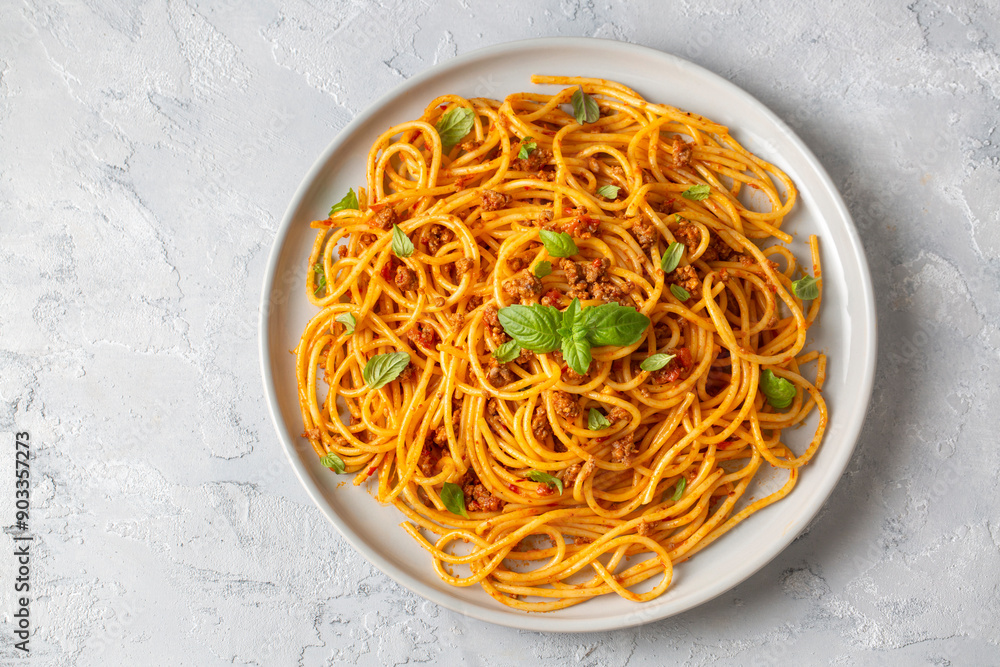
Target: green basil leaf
<point>779,392</point>
<point>349,201</point>
<point>384,368</point>
<point>348,320</point>
<point>546,478</point>
<point>454,125</point>
<point>509,351</point>
<point>558,244</point>
<point>454,499</point>
<point>596,420</point>
<point>697,192</point>
<point>585,109</point>
<point>608,191</point>
<point>672,257</point>
<point>679,489</point>
<point>656,362</point>
<point>320,278</point>
<point>527,148</point>
<point>571,319</point>
<point>576,352</point>
<point>543,269</point>
<point>679,292</point>
<point>534,327</point>
<point>613,324</point>
<point>333,461</point>
<point>402,246</point>
<point>806,288</point>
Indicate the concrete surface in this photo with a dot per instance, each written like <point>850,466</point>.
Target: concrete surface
<point>148,152</point>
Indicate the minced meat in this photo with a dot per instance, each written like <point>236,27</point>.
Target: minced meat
<point>494,201</point>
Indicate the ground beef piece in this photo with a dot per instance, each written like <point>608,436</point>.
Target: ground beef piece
<point>540,425</point>
<point>618,414</point>
<point>675,368</point>
<point>407,373</point>
<point>478,498</point>
<point>342,251</point>
<point>642,529</point>
<point>595,271</point>
<point>533,162</point>
<point>437,236</point>
<point>494,201</point>
<point>590,280</point>
<point>584,470</point>
<point>686,277</point>
<point>565,404</point>
<point>430,455</point>
<point>463,266</point>
<point>571,375</point>
<point>524,286</point>
<point>406,279</point>
<point>645,233</point>
<point>582,226</point>
<point>552,298</point>
<point>384,218</point>
<point>689,235</point>
<point>499,374</point>
<point>571,270</point>
<point>515,264</point>
<point>681,153</point>
<point>717,250</point>
<point>624,449</point>
<point>365,239</point>
<point>423,335</point>
<point>491,321</point>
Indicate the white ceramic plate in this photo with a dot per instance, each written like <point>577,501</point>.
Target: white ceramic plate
<point>846,330</point>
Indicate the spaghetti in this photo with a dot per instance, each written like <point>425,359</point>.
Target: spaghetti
<point>546,481</point>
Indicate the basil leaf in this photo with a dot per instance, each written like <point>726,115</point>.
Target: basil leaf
<point>320,278</point>
<point>585,109</point>
<point>527,148</point>
<point>608,191</point>
<point>576,352</point>
<point>349,201</point>
<point>558,244</point>
<point>697,192</point>
<point>331,460</point>
<point>509,351</point>
<point>348,320</point>
<point>402,246</point>
<point>454,125</point>
<point>679,292</point>
<point>613,324</point>
<point>596,420</point>
<point>679,490</point>
<point>571,320</point>
<point>454,499</point>
<point>806,288</point>
<point>546,478</point>
<point>384,368</point>
<point>543,269</point>
<point>672,257</point>
<point>656,362</point>
<point>779,392</point>
<point>534,327</point>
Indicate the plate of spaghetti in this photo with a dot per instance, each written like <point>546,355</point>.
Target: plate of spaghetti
<point>572,319</point>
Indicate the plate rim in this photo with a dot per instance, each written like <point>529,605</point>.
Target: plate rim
<point>501,615</point>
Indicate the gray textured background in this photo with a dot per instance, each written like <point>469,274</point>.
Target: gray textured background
<point>148,153</point>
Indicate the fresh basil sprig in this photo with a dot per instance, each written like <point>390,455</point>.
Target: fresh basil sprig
<point>544,329</point>
<point>679,489</point>
<point>454,499</point>
<point>454,125</point>
<point>672,257</point>
<point>348,320</point>
<point>543,269</point>
<point>349,201</point>
<point>558,244</point>
<point>546,478</point>
<point>697,192</point>
<point>608,191</point>
<point>779,392</point>
<point>596,420</point>
<point>528,147</point>
<point>585,109</point>
<point>509,351</point>
<point>806,288</point>
<point>320,278</point>
<point>333,461</point>
<point>679,292</point>
<point>384,368</point>
<point>656,361</point>
<point>402,246</point>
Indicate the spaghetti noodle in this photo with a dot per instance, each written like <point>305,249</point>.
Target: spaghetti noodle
<point>553,481</point>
